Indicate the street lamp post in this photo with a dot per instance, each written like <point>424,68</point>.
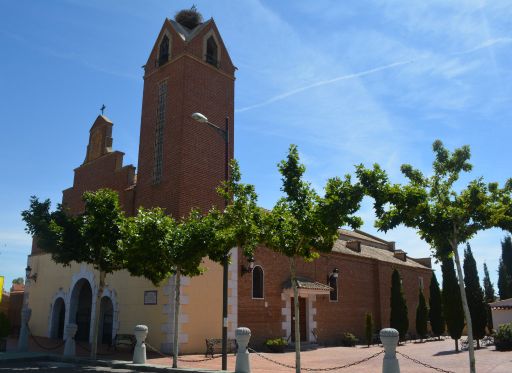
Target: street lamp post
<point>225,134</point>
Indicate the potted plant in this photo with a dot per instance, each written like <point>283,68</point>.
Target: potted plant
<point>276,344</point>
<point>503,337</point>
<point>4,331</point>
<point>348,340</point>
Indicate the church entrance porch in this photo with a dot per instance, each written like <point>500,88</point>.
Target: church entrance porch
<point>58,317</point>
<point>106,320</point>
<point>308,290</point>
<point>80,309</point>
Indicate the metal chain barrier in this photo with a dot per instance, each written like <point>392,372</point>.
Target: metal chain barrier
<point>59,345</point>
<point>179,358</point>
<point>318,369</point>
<point>424,364</point>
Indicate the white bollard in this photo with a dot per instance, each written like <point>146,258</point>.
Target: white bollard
<point>23,338</point>
<point>389,338</point>
<point>139,352</point>
<point>69,337</point>
<point>242,336</point>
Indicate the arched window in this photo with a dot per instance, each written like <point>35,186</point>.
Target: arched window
<point>212,51</point>
<point>333,283</point>
<point>257,283</point>
<point>163,53</point>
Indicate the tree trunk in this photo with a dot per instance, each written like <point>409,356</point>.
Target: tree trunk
<point>175,342</point>
<point>456,345</point>
<point>296,312</point>
<point>94,345</point>
<point>467,315</point>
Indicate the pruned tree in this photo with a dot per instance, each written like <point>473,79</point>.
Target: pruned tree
<point>435,311</point>
<point>475,294</point>
<point>158,247</point>
<point>399,315</point>
<point>452,304</point>
<point>90,237</point>
<point>368,328</point>
<point>444,216</point>
<point>302,224</point>
<point>489,296</point>
<point>421,316</point>
<point>237,226</point>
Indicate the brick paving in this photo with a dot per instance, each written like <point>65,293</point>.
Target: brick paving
<point>437,353</point>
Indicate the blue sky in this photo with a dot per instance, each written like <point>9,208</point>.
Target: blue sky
<point>349,82</point>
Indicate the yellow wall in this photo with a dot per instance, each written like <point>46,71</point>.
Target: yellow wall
<point>202,313</point>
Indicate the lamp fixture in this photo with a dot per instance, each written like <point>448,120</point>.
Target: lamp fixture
<point>248,269</point>
<point>28,274</point>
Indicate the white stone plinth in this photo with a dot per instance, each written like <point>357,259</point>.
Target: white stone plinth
<point>69,337</point>
<point>24,332</point>
<point>242,335</point>
<point>139,352</point>
<point>389,338</point>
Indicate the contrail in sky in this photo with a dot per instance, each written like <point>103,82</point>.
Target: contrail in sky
<point>282,96</point>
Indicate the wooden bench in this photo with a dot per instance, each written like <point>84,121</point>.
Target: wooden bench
<point>124,340</point>
<point>213,344</point>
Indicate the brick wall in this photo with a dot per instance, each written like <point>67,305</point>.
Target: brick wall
<point>364,285</point>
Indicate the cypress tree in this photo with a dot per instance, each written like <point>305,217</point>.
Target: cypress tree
<point>475,296</point>
<point>489,296</point>
<point>505,269</point>
<point>506,254</point>
<point>421,316</point>
<point>435,311</point>
<point>452,303</point>
<point>503,281</point>
<point>399,318</point>
<point>368,329</point>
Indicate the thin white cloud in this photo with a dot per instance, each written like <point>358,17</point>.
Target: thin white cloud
<point>282,96</point>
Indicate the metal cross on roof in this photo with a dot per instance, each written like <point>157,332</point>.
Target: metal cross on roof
<point>103,107</point>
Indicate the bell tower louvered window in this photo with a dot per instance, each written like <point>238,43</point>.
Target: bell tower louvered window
<point>163,52</point>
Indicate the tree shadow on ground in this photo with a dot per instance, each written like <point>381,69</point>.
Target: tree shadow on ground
<point>443,353</point>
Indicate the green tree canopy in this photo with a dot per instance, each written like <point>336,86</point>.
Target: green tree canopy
<point>399,316</point>
<point>302,224</point>
<point>158,247</point>
<point>18,281</point>
<point>475,294</point>
<point>452,304</point>
<point>443,214</point>
<point>91,237</point>
<point>436,317</point>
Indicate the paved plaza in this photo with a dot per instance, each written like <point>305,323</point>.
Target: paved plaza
<point>438,354</point>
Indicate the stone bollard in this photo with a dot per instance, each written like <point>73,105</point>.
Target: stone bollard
<point>389,338</point>
<point>69,337</point>
<point>139,352</point>
<point>242,336</point>
<point>23,338</point>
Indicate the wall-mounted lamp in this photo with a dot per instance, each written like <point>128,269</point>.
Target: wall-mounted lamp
<point>28,274</point>
<point>248,269</point>
<point>335,273</point>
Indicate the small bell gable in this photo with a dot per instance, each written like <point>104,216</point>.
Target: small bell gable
<point>100,139</point>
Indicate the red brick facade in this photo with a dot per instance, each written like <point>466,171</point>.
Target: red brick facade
<point>364,285</point>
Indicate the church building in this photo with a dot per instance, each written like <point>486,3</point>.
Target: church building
<point>180,164</point>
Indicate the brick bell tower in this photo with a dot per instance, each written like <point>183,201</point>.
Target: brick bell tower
<point>181,161</point>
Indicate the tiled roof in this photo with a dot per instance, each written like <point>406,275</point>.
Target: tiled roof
<point>340,246</point>
<point>308,284</point>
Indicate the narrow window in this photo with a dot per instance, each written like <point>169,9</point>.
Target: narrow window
<point>163,53</point>
<point>159,132</point>
<point>333,283</point>
<point>257,283</point>
<point>211,51</point>
<point>420,282</point>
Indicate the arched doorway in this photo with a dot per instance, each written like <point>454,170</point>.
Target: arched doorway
<point>106,320</point>
<point>80,309</point>
<point>58,316</point>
